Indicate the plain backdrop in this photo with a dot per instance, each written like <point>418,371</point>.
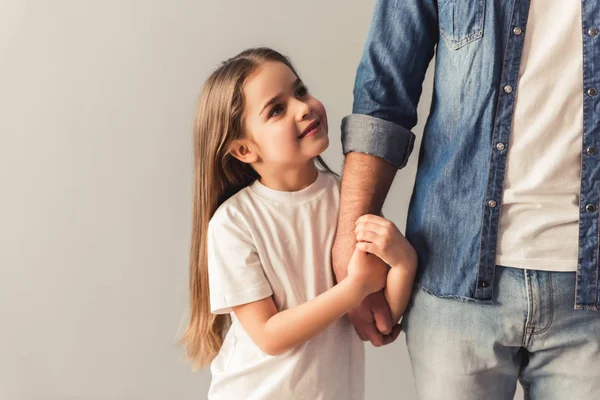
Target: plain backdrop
<point>96,110</point>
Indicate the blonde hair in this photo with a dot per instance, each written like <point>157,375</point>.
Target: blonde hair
<point>217,176</point>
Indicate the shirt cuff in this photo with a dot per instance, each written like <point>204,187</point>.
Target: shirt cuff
<point>377,137</point>
<point>223,304</point>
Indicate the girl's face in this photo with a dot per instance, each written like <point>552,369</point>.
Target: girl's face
<point>286,125</point>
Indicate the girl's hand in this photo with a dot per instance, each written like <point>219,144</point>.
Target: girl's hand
<point>367,271</point>
<point>381,237</point>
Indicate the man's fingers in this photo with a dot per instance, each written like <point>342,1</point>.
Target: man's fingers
<point>372,320</point>
<point>364,324</point>
<point>387,339</point>
<point>374,336</point>
<point>360,334</point>
<point>357,322</point>
<point>383,318</point>
<point>383,325</point>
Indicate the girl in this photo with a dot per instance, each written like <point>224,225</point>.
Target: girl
<point>264,308</point>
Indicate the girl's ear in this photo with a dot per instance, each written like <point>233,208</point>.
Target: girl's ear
<point>244,150</point>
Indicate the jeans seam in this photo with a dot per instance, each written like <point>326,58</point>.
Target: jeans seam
<point>545,329</point>
<point>597,262</point>
<point>529,308</point>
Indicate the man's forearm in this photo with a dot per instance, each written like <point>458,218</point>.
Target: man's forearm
<point>366,181</point>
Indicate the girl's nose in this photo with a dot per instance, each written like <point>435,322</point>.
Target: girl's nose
<point>303,110</point>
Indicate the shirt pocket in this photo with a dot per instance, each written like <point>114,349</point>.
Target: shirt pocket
<point>461,21</point>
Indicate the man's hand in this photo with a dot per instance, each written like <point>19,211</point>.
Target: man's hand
<point>373,322</point>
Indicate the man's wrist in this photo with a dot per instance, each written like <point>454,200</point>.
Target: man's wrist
<point>341,253</point>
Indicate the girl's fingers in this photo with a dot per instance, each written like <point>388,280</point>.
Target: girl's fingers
<point>375,219</point>
<point>370,226</point>
<point>368,236</point>
<point>372,248</point>
<point>367,246</point>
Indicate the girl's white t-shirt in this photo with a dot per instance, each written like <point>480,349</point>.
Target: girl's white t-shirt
<point>261,243</point>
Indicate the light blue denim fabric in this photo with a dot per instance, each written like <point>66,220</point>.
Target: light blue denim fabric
<point>472,351</point>
<point>456,203</point>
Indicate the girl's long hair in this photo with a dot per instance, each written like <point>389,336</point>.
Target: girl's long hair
<point>218,176</point>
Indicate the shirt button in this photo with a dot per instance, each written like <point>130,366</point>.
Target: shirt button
<point>492,203</point>
<point>500,146</point>
<point>592,91</point>
<point>508,89</point>
<point>484,284</point>
<point>593,32</point>
<point>591,150</point>
<point>517,30</point>
<point>590,208</point>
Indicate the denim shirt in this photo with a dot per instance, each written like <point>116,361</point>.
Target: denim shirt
<point>455,206</point>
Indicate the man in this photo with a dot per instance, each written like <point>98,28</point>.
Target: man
<point>504,212</point>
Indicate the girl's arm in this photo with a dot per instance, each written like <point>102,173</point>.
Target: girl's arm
<point>398,290</point>
<point>382,238</point>
<point>276,332</point>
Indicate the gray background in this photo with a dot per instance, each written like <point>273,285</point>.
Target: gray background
<point>96,109</point>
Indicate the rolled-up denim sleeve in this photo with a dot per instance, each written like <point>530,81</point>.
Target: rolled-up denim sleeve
<point>389,80</point>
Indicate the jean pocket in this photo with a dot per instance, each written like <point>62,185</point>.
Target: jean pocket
<point>461,21</point>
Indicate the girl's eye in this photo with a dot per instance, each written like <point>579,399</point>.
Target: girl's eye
<point>302,91</point>
<point>276,110</point>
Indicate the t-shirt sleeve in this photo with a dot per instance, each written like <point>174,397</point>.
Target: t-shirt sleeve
<point>235,273</point>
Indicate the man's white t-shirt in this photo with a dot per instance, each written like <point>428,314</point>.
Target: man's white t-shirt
<point>539,224</point>
<point>261,243</point>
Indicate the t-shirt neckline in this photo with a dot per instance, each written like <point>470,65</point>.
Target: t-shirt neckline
<point>295,197</point>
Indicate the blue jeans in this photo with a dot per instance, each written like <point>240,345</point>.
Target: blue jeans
<point>462,350</point>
